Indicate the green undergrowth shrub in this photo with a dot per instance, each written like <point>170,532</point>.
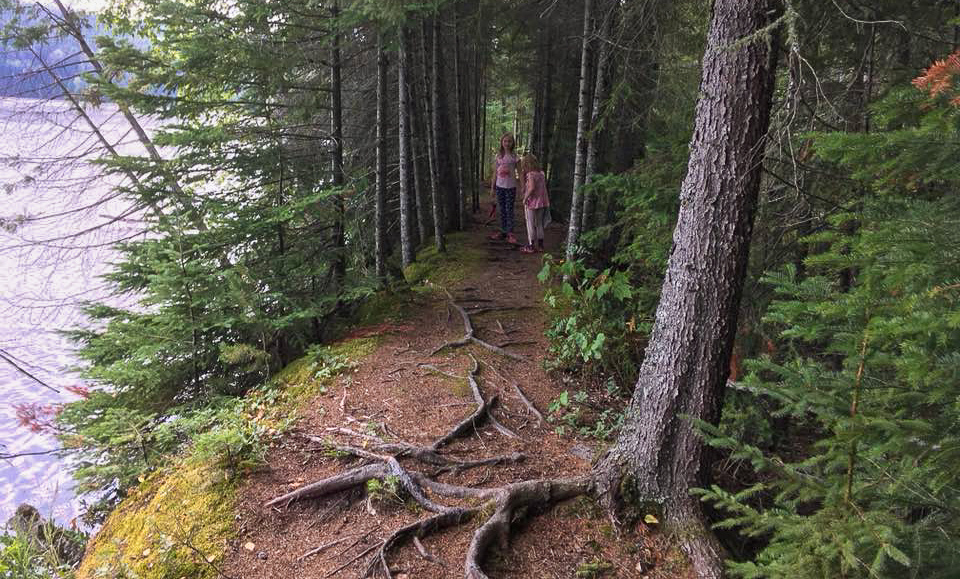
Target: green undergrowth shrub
<point>601,315</point>
<point>596,416</point>
<point>35,548</point>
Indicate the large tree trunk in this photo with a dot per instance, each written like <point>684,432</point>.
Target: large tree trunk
<point>478,133</point>
<point>658,455</point>
<point>380,242</point>
<point>403,117</point>
<point>583,117</point>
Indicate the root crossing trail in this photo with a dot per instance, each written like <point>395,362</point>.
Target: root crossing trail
<point>433,459</point>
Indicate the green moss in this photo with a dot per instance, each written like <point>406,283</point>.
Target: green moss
<point>354,349</point>
<point>384,306</point>
<point>446,269</point>
<point>313,373</point>
<point>175,524</point>
<point>594,568</point>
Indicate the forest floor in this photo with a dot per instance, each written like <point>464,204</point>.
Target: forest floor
<point>392,396</point>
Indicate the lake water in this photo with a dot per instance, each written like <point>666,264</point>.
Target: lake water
<point>48,264</point>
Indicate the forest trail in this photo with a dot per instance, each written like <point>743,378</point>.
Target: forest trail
<point>392,395</point>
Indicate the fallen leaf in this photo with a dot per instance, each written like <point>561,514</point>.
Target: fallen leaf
<point>650,520</point>
<point>249,546</point>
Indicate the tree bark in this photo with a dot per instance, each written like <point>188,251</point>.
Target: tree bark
<point>434,138</point>
<point>336,132</point>
<point>583,117</point>
<point>406,247</point>
<point>658,456</point>
<point>380,242</point>
<point>419,143</point>
<point>547,113</point>
<point>460,218</point>
<point>599,96</point>
<point>477,152</point>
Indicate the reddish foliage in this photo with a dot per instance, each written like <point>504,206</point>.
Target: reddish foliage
<point>939,78</point>
<point>37,417</point>
<point>734,367</point>
<point>770,347</point>
<point>79,390</point>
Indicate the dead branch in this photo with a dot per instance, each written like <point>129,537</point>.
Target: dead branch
<point>324,547</point>
<point>351,561</point>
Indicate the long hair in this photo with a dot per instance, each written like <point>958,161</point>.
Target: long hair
<point>529,162</point>
<point>502,137</point>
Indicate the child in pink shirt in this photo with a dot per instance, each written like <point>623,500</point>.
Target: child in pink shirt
<point>536,202</point>
<point>503,186</point>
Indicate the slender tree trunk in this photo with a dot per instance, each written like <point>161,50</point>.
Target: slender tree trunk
<point>336,132</point>
<point>418,143</point>
<point>70,25</point>
<point>547,115</point>
<point>403,118</point>
<point>599,96</point>
<point>658,456</point>
<point>419,135</point>
<point>583,117</point>
<point>461,218</point>
<point>434,136</point>
<point>483,125</point>
<point>380,243</point>
<point>478,152</point>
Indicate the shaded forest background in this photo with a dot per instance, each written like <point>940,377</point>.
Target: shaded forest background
<point>310,150</point>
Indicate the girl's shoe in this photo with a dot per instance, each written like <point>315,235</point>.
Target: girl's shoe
<point>511,238</point>
<point>527,249</point>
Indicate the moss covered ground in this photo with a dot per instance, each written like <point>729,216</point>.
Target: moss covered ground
<point>175,524</point>
<point>462,256</point>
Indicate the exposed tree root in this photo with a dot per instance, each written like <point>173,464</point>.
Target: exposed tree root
<point>469,336</point>
<point>526,401</point>
<point>383,463</point>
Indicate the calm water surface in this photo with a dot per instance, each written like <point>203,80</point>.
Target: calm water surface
<point>49,264</point>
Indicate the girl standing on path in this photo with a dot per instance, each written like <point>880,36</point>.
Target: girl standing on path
<point>536,202</point>
<point>503,186</point>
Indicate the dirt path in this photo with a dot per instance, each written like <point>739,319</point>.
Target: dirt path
<point>391,395</point>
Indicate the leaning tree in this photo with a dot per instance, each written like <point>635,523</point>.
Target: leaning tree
<point>657,458</point>
<point>658,454</point>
